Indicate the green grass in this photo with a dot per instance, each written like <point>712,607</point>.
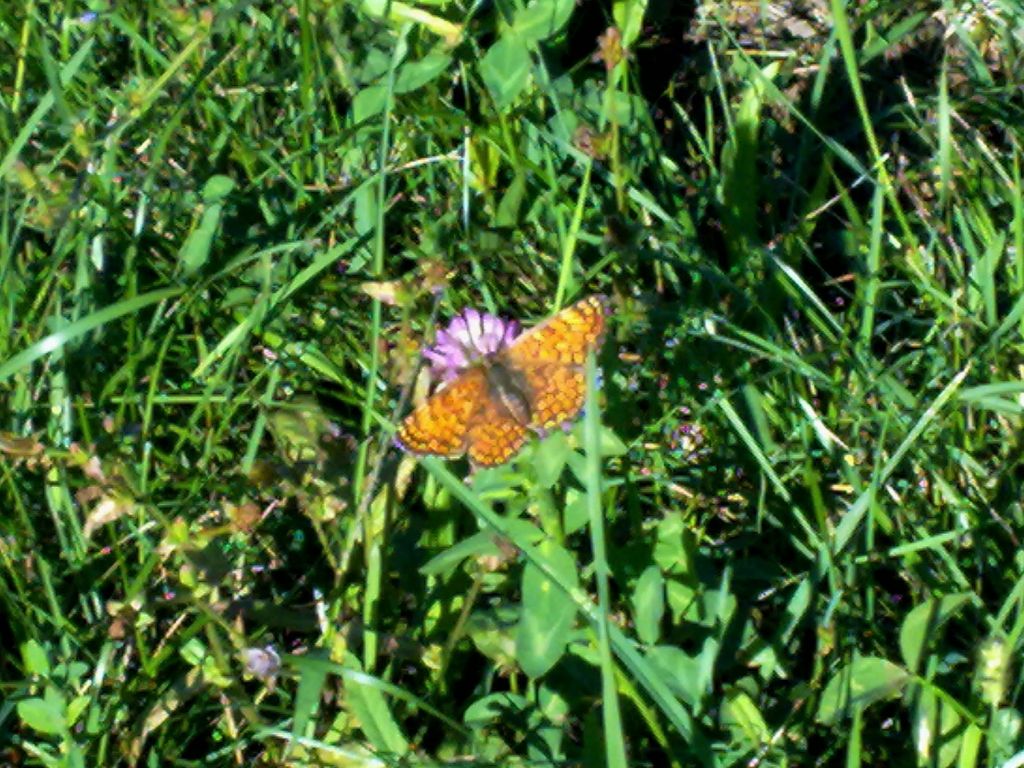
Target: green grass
<point>786,530</point>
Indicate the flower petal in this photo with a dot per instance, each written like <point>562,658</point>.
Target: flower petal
<point>470,335</point>
<point>458,330</point>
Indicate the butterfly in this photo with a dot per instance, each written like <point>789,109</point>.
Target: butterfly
<point>535,382</point>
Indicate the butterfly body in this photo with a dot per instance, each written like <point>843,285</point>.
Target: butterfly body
<point>534,383</point>
<point>507,386</point>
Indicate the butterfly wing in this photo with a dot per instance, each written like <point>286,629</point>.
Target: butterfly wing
<point>550,358</point>
<point>440,426</point>
<point>564,338</point>
<point>557,393</point>
<point>495,435</point>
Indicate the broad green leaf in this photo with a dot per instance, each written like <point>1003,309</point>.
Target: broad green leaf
<point>765,660</point>
<point>552,704</point>
<point>861,683</point>
<point>76,757</point>
<point>922,624</point>
<point>196,251</point>
<point>624,108</point>
<point>719,607</point>
<point>649,605</point>
<point>682,601</point>
<point>511,202</point>
<point>575,515</point>
<point>370,101</point>
<point>56,699</point>
<point>42,716</point>
<point>484,163</point>
<point>547,613</point>
<point>505,69</point>
<point>216,189</point>
<point>76,670</point>
<point>492,634</point>
<point>741,715</point>
<point>482,543</point>
<point>612,445</point>
<point>495,706</point>
<point>544,747</point>
<point>669,551</point>
<point>629,18</point>
<point>640,669</point>
<point>542,18</point>
<point>706,661</point>
<point>34,657</point>
<point>76,707</point>
<point>550,457</point>
<point>797,607</point>
<point>193,651</point>
<point>414,74</point>
<point>680,671</point>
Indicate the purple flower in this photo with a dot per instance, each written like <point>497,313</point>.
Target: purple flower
<point>469,337</point>
<point>263,663</point>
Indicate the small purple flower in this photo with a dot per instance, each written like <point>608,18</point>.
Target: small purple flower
<point>468,337</point>
<point>263,663</point>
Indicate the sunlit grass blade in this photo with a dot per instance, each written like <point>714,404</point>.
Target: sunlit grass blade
<point>855,514</point>
<point>48,344</point>
<point>615,749</point>
<point>31,125</point>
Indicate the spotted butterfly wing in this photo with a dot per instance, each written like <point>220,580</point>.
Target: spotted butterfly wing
<point>464,417</point>
<point>495,434</point>
<point>440,426</point>
<point>551,358</point>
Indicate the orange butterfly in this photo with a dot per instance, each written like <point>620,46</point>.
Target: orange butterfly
<point>535,381</point>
